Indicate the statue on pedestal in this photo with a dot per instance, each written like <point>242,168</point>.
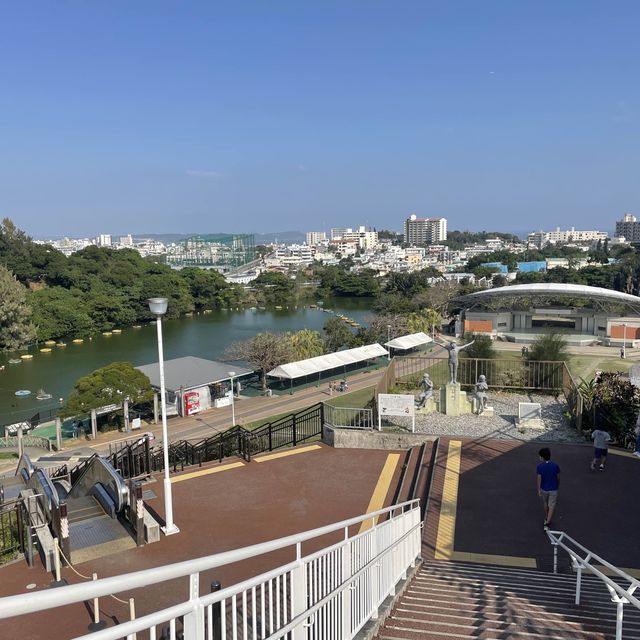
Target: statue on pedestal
<point>453,350</point>
<point>481,393</point>
<point>427,391</point>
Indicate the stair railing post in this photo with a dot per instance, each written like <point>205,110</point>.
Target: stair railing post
<point>295,441</point>
<point>555,558</point>
<point>299,596</point>
<point>619,617</point>
<point>346,592</point>
<point>578,583</point>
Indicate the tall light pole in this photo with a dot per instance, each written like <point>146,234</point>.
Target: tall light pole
<point>624,344</point>
<point>233,405</point>
<point>388,340</point>
<point>158,306</point>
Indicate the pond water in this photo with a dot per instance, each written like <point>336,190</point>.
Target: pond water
<point>206,335</point>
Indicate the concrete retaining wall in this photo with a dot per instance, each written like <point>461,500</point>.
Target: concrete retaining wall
<point>363,439</point>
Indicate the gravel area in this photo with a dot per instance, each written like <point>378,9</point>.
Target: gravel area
<point>502,424</point>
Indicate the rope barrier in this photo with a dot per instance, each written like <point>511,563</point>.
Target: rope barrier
<point>83,576</point>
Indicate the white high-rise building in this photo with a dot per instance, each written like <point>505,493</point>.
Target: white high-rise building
<point>424,231</point>
<point>315,237</point>
<point>126,241</point>
<point>104,240</point>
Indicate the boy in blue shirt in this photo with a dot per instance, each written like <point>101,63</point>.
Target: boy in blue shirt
<point>548,484</point>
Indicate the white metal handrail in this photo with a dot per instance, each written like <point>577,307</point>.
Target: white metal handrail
<point>619,595</point>
<point>339,588</point>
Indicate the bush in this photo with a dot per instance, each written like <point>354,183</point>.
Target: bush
<point>551,347</point>
<point>481,348</point>
<point>617,403</point>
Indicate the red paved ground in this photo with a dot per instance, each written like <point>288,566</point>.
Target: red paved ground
<point>227,510</point>
<point>499,511</point>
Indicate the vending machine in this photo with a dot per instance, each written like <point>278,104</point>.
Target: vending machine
<point>191,403</point>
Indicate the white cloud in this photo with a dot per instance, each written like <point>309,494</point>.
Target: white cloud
<point>205,173</point>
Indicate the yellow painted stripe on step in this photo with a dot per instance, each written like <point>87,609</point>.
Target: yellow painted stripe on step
<point>206,472</point>
<point>382,488</point>
<point>634,573</point>
<point>447,522</point>
<point>489,558</point>
<point>284,454</point>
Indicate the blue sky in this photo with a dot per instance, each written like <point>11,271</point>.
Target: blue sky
<point>265,116</point>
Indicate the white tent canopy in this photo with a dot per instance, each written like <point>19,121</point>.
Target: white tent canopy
<point>310,366</point>
<point>408,342</point>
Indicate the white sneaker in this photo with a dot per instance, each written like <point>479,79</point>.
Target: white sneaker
<point>636,453</point>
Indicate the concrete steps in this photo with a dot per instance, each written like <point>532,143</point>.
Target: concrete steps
<point>463,601</point>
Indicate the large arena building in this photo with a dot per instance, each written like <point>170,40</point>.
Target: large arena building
<point>585,315</point>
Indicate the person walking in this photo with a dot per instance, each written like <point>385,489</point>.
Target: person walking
<point>601,441</point>
<point>637,432</point>
<point>548,476</point>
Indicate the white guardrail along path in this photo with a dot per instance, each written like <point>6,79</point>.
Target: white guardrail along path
<point>327,595</point>
<point>584,560</point>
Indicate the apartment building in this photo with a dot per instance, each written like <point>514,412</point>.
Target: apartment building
<point>424,231</point>
<point>629,227</point>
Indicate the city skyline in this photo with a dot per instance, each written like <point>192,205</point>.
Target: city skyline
<point>150,119</point>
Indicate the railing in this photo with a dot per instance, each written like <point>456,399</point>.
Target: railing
<point>582,559</point>
<point>11,529</point>
<point>347,417</point>
<point>572,396</point>
<point>506,374</point>
<point>328,594</point>
<point>27,441</point>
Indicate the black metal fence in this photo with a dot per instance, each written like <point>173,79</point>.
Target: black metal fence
<point>139,459</point>
<point>11,531</point>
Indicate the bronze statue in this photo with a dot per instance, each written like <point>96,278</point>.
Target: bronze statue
<point>453,350</point>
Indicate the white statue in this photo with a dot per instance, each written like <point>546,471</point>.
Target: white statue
<point>481,393</point>
<point>453,350</point>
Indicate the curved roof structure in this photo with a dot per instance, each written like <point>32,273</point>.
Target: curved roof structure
<point>552,290</point>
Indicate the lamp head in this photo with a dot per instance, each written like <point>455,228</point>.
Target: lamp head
<point>232,373</point>
<point>158,306</point>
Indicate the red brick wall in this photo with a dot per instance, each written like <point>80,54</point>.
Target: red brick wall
<point>478,326</point>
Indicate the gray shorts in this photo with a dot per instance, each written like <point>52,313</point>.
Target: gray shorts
<point>549,498</point>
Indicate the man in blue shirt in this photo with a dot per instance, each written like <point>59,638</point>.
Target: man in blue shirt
<point>548,484</point>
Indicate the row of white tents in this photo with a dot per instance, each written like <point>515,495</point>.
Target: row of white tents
<point>317,365</point>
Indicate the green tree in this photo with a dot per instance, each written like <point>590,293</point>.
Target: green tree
<point>616,406</point>
<point>273,288</point>
<point>549,347</point>
<point>482,347</point>
<point>113,384</point>
<point>264,352</point>
<point>425,320</point>
<point>58,313</point>
<point>209,289</point>
<point>306,344</point>
<point>337,335</point>
<point>16,327</point>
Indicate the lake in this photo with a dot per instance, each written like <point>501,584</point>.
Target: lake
<point>205,335</point>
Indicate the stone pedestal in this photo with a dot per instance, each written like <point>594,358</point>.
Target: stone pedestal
<point>489,412</point>
<point>430,406</point>
<point>454,401</point>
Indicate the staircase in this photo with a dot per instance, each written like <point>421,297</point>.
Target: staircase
<point>459,601</point>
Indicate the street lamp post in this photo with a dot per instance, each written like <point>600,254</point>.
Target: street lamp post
<point>624,343</point>
<point>158,306</point>
<point>388,340</point>
<point>233,404</point>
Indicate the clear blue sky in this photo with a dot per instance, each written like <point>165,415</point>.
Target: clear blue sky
<point>154,116</point>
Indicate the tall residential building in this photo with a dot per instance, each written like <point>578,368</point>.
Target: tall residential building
<point>315,237</point>
<point>424,231</point>
<point>628,227</point>
<point>126,241</point>
<point>103,240</point>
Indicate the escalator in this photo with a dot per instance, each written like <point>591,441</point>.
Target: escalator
<point>86,508</point>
